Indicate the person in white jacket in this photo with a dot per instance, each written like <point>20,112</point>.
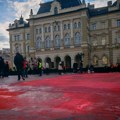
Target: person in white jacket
<point>60,68</point>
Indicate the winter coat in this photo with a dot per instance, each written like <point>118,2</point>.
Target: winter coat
<point>1,63</point>
<point>18,61</point>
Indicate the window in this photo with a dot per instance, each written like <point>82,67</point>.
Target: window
<point>105,60</point>
<point>28,36</point>
<point>77,39</point>
<point>58,28</point>
<point>17,47</point>
<point>15,38</point>
<point>68,26</point>
<point>47,42</point>
<point>36,31</point>
<point>57,41</point>
<point>45,29</point>
<point>40,30</point>
<point>103,41</point>
<point>95,60</point>
<point>55,10</point>
<point>18,37</point>
<point>79,24</point>
<point>94,26</point>
<point>54,28</point>
<point>38,43</point>
<point>67,40</point>
<point>27,48</point>
<point>118,23</point>
<point>65,27</point>
<point>75,25</point>
<point>49,29</point>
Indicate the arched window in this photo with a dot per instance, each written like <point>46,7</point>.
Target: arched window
<point>38,43</point>
<point>55,28</point>
<point>79,24</point>
<point>68,26</point>
<point>49,29</point>
<point>65,26</point>
<point>67,40</point>
<point>27,48</point>
<point>47,42</point>
<point>57,41</point>
<point>75,25</point>
<point>18,48</point>
<point>77,38</point>
<point>55,10</point>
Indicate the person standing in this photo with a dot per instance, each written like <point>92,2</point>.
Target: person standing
<point>40,67</point>
<point>81,67</point>
<point>18,61</point>
<point>60,68</point>
<point>6,69</point>
<point>1,67</point>
<point>25,67</point>
<point>47,68</point>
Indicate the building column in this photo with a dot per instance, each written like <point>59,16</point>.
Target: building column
<point>84,30</point>
<point>32,50</point>
<point>110,41</point>
<point>72,39</point>
<point>52,41</point>
<point>24,44</point>
<point>43,41</point>
<point>85,46</point>
<point>11,52</point>
<point>61,30</point>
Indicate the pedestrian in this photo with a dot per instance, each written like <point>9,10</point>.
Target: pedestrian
<point>81,67</point>
<point>25,67</point>
<point>6,69</point>
<point>47,68</point>
<point>75,67</point>
<point>18,61</point>
<point>39,67</point>
<point>60,68</point>
<point>2,67</point>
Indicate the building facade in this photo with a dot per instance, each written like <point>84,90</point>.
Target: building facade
<point>69,31</point>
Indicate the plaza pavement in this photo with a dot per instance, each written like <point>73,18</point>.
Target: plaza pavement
<point>66,97</point>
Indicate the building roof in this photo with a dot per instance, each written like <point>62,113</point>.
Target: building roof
<point>98,11</point>
<point>45,7</point>
<point>115,3</point>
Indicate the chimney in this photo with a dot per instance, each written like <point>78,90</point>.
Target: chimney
<point>109,3</point>
<point>83,2</point>
<point>91,6</point>
<point>31,12</point>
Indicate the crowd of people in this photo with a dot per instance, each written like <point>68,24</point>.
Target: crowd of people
<point>34,66</point>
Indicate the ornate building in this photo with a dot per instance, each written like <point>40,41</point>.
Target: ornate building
<point>69,31</point>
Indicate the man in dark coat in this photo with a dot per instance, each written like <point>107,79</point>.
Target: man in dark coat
<point>1,67</point>
<point>18,61</point>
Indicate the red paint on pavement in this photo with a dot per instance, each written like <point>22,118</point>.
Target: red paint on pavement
<point>67,97</point>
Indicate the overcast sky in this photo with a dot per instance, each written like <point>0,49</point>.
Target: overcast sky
<point>12,9</point>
